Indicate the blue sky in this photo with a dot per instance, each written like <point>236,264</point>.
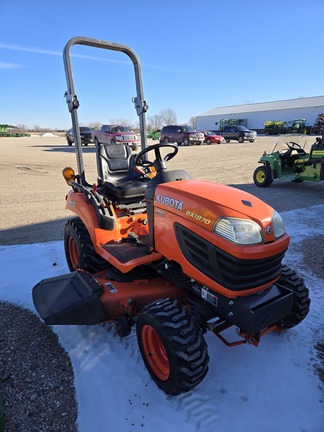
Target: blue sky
<point>195,56</point>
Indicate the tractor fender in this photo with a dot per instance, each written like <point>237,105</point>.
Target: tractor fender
<point>90,213</point>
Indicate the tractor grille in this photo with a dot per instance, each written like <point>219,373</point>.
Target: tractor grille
<point>230,272</point>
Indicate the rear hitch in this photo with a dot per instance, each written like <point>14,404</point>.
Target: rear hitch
<point>246,338</point>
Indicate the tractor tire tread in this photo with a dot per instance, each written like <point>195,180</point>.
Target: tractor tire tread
<point>290,279</point>
<point>185,340</point>
<point>92,262</point>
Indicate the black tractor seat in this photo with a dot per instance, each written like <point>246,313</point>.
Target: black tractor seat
<point>117,176</point>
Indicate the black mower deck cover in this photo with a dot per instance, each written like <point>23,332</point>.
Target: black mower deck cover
<point>69,299</point>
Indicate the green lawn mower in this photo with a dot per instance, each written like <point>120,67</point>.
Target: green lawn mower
<point>291,162</point>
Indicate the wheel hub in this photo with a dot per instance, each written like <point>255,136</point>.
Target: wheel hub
<point>155,353</point>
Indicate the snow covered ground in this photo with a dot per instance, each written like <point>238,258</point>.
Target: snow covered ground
<point>271,388</point>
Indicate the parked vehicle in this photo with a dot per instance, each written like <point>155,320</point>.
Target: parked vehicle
<point>175,257</point>
<point>185,135</point>
<point>115,134</point>
<point>275,127</point>
<point>297,126</point>
<point>289,161</point>
<point>237,133</point>
<point>212,137</point>
<point>154,134</point>
<point>7,131</point>
<point>85,134</point>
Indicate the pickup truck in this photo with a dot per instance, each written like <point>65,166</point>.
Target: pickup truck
<point>85,135</point>
<point>115,134</point>
<point>237,133</point>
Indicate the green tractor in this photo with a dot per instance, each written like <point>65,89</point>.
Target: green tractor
<point>154,134</point>
<point>299,126</point>
<point>291,162</point>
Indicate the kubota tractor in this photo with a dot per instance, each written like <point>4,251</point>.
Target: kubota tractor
<point>174,256</point>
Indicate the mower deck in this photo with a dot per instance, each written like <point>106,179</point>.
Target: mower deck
<point>80,298</point>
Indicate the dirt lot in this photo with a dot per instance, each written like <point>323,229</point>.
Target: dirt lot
<point>32,202</point>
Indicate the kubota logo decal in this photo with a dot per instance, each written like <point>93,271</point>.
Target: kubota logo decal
<point>171,202</point>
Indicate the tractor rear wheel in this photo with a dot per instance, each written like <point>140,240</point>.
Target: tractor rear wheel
<point>290,279</point>
<point>172,346</point>
<point>262,176</point>
<point>79,250</point>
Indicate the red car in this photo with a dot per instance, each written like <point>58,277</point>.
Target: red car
<point>211,137</point>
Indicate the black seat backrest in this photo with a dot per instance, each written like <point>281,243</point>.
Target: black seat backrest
<point>114,161</point>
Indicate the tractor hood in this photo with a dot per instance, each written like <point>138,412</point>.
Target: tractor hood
<point>204,202</point>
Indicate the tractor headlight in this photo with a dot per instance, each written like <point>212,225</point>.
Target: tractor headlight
<point>239,231</point>
<point>278,225</point>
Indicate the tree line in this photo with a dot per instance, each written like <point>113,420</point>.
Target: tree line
<point>166,117</point>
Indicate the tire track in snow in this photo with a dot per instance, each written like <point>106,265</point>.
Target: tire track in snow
<point>197,410</point>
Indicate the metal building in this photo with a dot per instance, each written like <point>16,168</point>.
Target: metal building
<point>256,114</point>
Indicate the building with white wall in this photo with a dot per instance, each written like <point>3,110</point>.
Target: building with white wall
<point>257,113</point>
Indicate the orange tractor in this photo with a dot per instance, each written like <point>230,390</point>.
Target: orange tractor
<point>173,256</point>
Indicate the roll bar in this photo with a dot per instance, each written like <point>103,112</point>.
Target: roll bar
<point>72,100</point>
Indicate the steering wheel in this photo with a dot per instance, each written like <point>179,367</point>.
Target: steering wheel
<point>159,162</point>
<point>292,145</point>
<point>295,146</point>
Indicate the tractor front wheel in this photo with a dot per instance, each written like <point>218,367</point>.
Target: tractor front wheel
<point>79,250</point>
<point>301,301</point>
<point>172,346</point>
<point>262,176</point>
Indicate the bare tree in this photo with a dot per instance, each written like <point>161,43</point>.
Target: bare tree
<point>21,127</point>
<point>168,116</point>
<point>193,122</point>
<point>154,122</point>
<point>124,122</point>
<point>134,126</point>
<point>95,125</point>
